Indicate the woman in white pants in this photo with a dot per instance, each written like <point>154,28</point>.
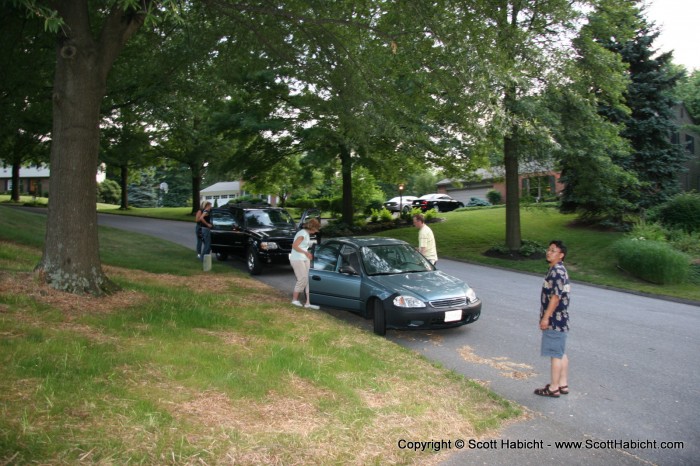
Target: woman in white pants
<point>300,258</point>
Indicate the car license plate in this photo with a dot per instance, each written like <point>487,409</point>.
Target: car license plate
<point>453,316</point>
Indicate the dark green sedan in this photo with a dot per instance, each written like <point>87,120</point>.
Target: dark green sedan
<point>387,280</point>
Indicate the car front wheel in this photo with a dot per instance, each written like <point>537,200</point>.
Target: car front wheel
<point>253,262</point>
<point>379,318</point>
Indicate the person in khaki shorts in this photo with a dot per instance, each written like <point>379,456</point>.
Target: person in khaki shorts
<point>300,259</point>
<point>426,239</point>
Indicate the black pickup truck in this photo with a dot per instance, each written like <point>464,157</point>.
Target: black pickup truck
<point>261,234</point>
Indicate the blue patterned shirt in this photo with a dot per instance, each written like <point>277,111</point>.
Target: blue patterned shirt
<point>556,283</point>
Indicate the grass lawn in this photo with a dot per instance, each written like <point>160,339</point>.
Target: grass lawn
<point>187,367</point>
<point>467,235</point>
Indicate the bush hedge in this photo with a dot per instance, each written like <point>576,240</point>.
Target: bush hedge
<point>494,197</point>
<point>682,211</point>
<point>653,261</point>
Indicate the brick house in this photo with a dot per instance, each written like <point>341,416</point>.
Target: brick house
<point>33,181</point>
<point>535,180</point>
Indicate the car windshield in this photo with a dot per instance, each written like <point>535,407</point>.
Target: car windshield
<point>392,259</point>
<point>269,219</point>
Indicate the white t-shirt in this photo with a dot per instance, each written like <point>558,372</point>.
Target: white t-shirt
<point>305,243</point>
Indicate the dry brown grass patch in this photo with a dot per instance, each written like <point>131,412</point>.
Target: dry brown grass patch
<point>27,284</point>
<point>508,368</point>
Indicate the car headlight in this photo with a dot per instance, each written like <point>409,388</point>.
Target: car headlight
<point>267,246</point>
<point>408,301</point>
<point>471,295</point>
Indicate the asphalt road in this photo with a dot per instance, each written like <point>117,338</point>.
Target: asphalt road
<point>633,366</point>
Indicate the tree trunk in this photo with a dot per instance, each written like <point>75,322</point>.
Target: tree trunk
<point>511,165</point>
<point>71,259</point>
<point>510,157</point>
<point>196,187</point>
<point>124,182</point>
<point>14,197</point>
<point>346,170</point>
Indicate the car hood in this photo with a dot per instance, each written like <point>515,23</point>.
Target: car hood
<point>427,286</point>
<point>275,233</point>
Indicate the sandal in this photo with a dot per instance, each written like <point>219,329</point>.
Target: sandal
<point>547,392</point>
<point>564,389</point>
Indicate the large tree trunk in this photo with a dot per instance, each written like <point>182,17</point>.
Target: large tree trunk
<point>124,182</point>
<point>71,260</point>
<point>346,171</point>
<point>196,187</point>
<point>511,165</point>
<point>14,196</point>
<point>510,156</point>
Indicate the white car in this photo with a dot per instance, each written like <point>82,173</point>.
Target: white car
<point>399,203</point>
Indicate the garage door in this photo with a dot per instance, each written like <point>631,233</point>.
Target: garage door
<point>464,195</point>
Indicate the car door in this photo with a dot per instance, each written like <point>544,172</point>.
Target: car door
<point>335,278</point>
<point>225,232</point>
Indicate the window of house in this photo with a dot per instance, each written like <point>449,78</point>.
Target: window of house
<point>689,144</point>
<point>675,137</point>
<point>538,187</point>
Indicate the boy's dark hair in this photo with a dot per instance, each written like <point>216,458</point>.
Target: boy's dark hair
<point>560,245</point>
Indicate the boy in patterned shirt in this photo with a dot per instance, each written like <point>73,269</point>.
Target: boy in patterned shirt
<point>554,320</point>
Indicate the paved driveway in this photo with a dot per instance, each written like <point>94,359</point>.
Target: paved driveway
<point>634,369</point>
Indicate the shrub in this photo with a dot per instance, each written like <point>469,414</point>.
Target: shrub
<point>688,243</point>
<point>529,247</point>
<point>653,261</point>
<point>109,192</point>
<point>374,205</point>
<point>385,215</point>
<point>323,204</point>
<point>428,214</point>
<point>336,228</point>
<point>648,231</point>
<point>494,197</point>
<point>336,205</point>
<point>301,203</point>
<point>382,215</point>
<point>682,211</point>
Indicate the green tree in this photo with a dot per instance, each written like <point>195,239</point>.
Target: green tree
<point>525,45</point>
<point>294,176</point>
<point>587,142</point>
<point>25,86</point>
<point>165,86</point>
<point>362,87</point>
<point>688,92</point>
<point>89,38</point>
<point>655,160</point>
<point>125,145</point>
<point>494,57</point>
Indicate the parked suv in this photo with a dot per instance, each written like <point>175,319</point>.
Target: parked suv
<point>260,233</point>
